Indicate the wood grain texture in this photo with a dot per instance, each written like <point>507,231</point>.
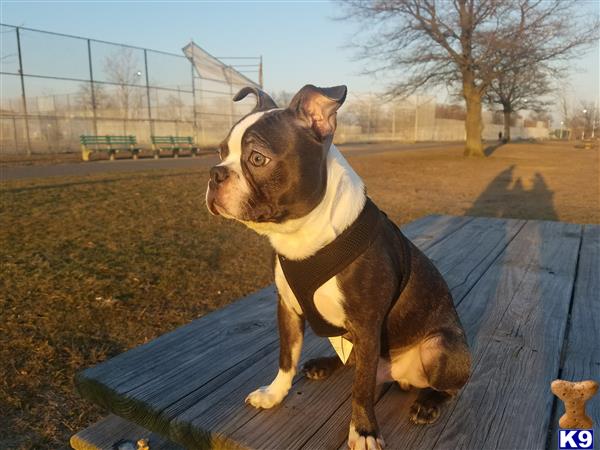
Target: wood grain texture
<point>104,434</point>
<point>146,357</point>
<point>582,349</point>
<point>513,282</point>
<point>176,364</point>
<point>215,417</point>
<point>428,231</point>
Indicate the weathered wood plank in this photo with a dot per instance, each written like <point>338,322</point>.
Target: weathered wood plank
<point>214,417</point>
<point>107,432</point>
<point>144,358</point>
<point>462,259</point>
<point>480,258</point>
<point>582,349</point>
<point>430,230</point>
<point>135,389</point>
<point>158,381</point>
<point>467,254</point>
<point>293,422</point>
<point>515,318</point>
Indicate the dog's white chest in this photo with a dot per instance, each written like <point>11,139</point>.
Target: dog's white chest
<point>328,298</point>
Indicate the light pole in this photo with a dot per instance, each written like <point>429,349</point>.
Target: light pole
<point>561,129</point>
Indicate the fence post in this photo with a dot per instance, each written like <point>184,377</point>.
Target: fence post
<point>260,72</point>
<point>230,97</point>
<point>148,93</point>
<point>194,112</point>
<point>23,97</point>
<point>179,108</point>
<point>92,89</point>
<point>15,132</point>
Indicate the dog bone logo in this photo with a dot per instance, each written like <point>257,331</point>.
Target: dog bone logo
<point>574,395</point>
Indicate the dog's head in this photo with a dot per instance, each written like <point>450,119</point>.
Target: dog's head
<point>273,162</point>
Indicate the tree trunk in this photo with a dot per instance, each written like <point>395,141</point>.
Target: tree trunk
<point>506,136</point>
<point>473,124</point>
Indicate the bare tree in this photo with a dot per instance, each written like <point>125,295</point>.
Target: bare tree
<point>174,107</point>
<point>83,97</point>
<point>452,111</point>
<point>123,69</point>
<point>519,87</point>
<point>462,43</point>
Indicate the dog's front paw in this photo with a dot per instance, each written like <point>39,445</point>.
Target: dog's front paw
<point>357,441</point>
<point>265,397</point>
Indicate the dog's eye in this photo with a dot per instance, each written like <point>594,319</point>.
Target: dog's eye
<point>258,159</point>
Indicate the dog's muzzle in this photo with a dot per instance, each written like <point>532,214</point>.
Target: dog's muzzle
<point>218,175</point>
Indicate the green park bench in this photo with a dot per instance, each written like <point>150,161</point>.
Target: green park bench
<point>107,143</point>
<point>174,144</point>
<point>526,292</point>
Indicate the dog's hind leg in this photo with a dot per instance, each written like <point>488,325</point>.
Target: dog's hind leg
<point>446,363</point>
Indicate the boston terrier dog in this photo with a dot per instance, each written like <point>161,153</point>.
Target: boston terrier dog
<point>340,263</point>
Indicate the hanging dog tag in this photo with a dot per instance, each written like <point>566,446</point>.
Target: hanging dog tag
<point>342,347</point>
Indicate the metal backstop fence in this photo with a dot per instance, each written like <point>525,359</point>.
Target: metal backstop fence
<point>56,87</point>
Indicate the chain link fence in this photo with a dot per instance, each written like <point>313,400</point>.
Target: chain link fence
<point>370,118</point>
<point>55,88</point>
<point>367,117</point>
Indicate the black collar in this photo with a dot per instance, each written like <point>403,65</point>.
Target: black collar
<point>307,275</point>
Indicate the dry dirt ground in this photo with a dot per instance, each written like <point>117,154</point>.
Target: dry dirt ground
<point>92,266</point>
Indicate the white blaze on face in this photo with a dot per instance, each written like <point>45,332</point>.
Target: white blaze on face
<point>236,189</point>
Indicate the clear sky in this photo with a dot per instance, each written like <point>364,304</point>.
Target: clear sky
<point>299,41</point>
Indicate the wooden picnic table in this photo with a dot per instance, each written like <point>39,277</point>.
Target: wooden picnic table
<point>526,291</point>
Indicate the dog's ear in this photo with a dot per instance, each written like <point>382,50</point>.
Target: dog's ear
<point>263,101</point>
<point>317,108</point>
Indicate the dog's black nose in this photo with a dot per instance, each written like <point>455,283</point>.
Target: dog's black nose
<point>218,174</point>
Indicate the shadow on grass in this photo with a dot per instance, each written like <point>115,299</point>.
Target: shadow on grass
<point>508,197</point>
<point>490,149</point>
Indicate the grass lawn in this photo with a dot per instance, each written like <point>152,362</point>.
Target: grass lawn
<point>95,265</point>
